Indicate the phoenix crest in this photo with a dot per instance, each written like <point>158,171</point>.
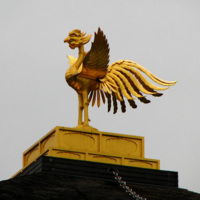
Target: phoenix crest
<point>94,80</point>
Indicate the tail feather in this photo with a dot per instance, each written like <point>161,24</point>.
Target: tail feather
<point>114,103</point>
<point>123,106</point>
<point>108,96</point>
<point>90,96</point>
<point>144,100</point>
<point>132,104</point>
<point>102,96</point>
<point>125,79</point>
<point>157,95</point>
<point>94,98</point>
<point>98,98</point>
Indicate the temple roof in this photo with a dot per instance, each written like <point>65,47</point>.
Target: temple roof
<point>46,186</point>
<point>58,178</point>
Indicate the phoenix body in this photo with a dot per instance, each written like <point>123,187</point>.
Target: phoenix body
<point>94,79</point>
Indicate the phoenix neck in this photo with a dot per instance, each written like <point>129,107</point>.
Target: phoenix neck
<point>81,55</point>
<point>76,67</point>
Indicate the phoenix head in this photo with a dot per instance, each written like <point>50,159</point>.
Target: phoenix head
<point>77,38</point>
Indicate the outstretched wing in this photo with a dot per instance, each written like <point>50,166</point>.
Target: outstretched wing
<point>96,60</point>
<point>124,79</point>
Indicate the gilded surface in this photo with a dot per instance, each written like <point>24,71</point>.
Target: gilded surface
<point>112,144</point>
<point>145,163</point>
<point>48,142</point>
<point>104,159</point>
<point>67,154</point>
<point>95,81</point>
<point>81,141</point>
<point>98,147</point>
<point>113,148</point>
<point>31,156</point>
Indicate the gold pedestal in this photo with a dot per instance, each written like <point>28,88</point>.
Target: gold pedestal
<point>93,146</point>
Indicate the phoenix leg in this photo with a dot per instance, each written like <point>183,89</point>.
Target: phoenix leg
<point>85,101</point>
<point>80,109</point>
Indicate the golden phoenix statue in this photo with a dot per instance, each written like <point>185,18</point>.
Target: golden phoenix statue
<point>93,79</point>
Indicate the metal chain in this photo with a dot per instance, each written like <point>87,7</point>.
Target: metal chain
<point>125,187</point>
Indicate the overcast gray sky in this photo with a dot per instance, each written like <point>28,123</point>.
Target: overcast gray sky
<point>163,36</point>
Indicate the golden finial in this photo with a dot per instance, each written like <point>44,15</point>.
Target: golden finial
<point>93,79</point>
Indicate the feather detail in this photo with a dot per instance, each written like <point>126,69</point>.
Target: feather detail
<point>108,96</point>
<point>126,82</point>
<point>90,96</point>
<point>111,87</point>
<point>144,100</point>
<point>132,103</point>
<point>143,80</point>
<point>104,88</point>
<point>98,98</point>
<point>114,103</point>
<point>107,88</point>
<point>102,96</point>
<point>123,106</point>
<point>97,59</point>
<point>134,81</point>
<point>113,84</point>
<point>121,85</point>
<point>150,75</point>
<point>94,98</point>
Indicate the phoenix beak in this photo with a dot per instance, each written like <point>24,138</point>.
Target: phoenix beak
<point>66,39</point>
